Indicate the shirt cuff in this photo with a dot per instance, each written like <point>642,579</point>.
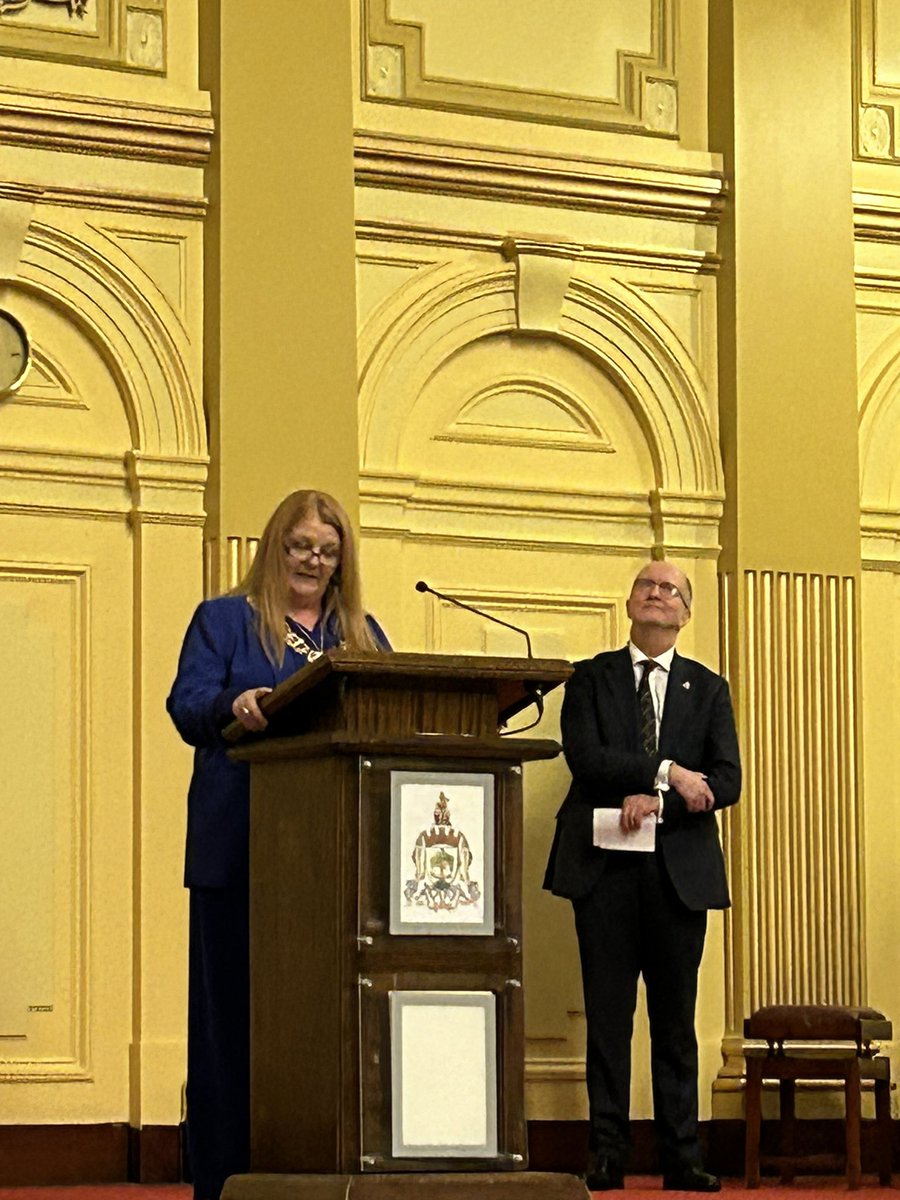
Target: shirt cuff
<point>661,783</point>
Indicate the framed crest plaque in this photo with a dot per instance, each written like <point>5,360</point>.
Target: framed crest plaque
<point>442,853</point>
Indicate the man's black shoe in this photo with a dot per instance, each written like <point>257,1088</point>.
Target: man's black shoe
<point>691,1179</point>
<point>603,1174</point>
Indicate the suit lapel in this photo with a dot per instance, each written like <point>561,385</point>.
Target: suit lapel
<point>618,676</point>
<point>678,704</point>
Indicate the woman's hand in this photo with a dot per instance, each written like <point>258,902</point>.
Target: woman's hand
<point>246,709</point>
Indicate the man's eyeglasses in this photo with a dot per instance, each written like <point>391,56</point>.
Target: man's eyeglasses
<point>669,590</point>
<point>303,551</point>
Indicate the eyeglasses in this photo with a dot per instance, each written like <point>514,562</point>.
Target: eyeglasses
<point>669,590</point>
<point>303,551</point>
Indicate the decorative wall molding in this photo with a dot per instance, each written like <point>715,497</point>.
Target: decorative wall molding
<point>876,217</point>
<point>880,534</point>
<point>493,173</point>
<point>568,425</point>
<point>876,82</point>
<point>47,385</point>
<point>116,129</point>
<point>143,246</point>
<point>879,433</point>
<point>529,605</point>
<point>116,34</point>
<point>693,262</point>
<point>148,358</point>
<point>396,71</point>
<point>47,1039</point>
<point>145,204</point>
<point>108,487</point>
<point>794,844</point>
<point>456,512</point>
<point>440,310</point>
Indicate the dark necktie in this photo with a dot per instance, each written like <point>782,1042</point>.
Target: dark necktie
<point>645,704</point>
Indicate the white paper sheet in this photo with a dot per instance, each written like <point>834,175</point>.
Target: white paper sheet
<point>608,834</point>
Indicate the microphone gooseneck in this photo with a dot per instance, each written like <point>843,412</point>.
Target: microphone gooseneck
<point>422,586</point>
<point>533,689</point>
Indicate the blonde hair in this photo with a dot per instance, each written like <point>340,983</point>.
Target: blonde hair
<point>264,583</point>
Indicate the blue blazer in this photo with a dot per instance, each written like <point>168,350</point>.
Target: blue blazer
<point>602,744</point>
<point>223,656</point>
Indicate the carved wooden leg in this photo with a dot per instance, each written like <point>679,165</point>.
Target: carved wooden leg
<point>788,1131</point>
<point>883,1127</point>
<point>852,1093</point>
<point>752,1117</point>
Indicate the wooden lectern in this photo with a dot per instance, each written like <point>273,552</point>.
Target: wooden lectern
<point>387,1030</point>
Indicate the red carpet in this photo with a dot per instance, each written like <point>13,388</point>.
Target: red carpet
<point>637,1186</point>
<point>101,1191</point>
<point>804,1188</point>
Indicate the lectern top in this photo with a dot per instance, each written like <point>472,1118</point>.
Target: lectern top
<point>514,680</point>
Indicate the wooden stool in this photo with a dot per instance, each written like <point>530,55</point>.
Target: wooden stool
<point>806,1027</point>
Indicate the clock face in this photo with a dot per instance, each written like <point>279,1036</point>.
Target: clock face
<point>13,354</point>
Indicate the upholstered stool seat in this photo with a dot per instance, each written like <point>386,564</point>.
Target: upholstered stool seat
<point>819,1041</point>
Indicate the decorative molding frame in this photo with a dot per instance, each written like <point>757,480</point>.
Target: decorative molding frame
<point>394,72</point>
<point>493,173</point>
<point>438,311</point>
<point>126,34</point>
<point>876,217</point>
<point>143,204</point>
<point>876,98</point>
<point>117,129</point>
<point>148,358</point>
<point>69,1058</point>
<point>453,512</point>
<point>585,434</point>
<point>879,432</point>
<point>691,262</point>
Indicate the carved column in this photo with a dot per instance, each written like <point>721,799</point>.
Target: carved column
<point>791,555</point>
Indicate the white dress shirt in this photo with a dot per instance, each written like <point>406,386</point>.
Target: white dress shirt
<point>659,682</point>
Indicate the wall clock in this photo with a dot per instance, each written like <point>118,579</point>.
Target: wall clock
<point>15,354</point>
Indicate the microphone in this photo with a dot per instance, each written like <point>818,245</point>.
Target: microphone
<point>422,586</point>
<point>535,689</point>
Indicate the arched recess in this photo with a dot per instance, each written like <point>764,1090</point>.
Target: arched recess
<point>101,564</point>
<point>148,357</point>
<point>879,429</point>
<point>443,309</point>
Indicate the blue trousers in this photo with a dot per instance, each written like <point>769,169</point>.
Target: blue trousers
<point>218,1078</point>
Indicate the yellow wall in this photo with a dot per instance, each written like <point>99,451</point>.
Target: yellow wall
<point>584,329</point>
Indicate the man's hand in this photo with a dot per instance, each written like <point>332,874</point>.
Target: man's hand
<point>634,809</point>
<point>692,787</point>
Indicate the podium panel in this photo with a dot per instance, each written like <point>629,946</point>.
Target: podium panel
<point>387,1015</point>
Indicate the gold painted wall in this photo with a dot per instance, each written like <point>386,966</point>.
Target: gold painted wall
<point>539,226</point>
<point>103,136</point>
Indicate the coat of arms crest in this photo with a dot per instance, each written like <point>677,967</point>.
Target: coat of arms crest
<point>442,860</point>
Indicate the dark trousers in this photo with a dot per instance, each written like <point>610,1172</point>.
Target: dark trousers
<point>632,924</point>
<point>218,1080</point>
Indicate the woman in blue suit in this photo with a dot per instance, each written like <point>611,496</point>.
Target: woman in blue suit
<point>300,597</point>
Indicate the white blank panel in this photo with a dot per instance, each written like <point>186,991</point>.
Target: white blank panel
<point>444,1074</point>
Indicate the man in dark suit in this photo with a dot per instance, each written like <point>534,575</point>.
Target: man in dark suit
<point>651,734</point>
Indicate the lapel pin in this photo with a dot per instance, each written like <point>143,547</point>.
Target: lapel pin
<point>686,685</point>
